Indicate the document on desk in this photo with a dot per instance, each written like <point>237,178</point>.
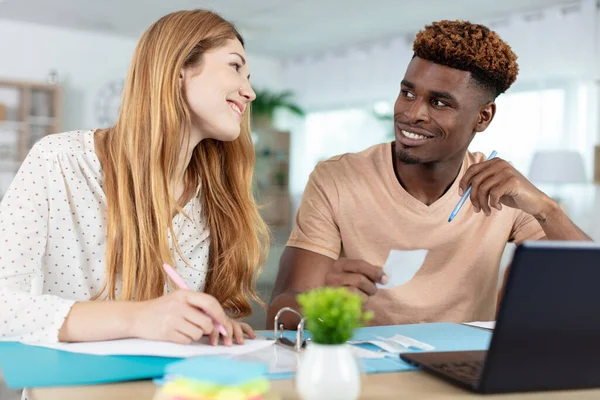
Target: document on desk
<point>491,325</point>
<point>142,347</point>
<point>401,266</point>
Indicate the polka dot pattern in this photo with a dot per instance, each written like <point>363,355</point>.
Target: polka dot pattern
<point>53,238</point>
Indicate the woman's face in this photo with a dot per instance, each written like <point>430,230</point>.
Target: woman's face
<point>217,92</point>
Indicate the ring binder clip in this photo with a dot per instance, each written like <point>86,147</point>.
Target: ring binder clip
<point>300,343</point>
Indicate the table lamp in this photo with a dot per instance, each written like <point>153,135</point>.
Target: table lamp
<point>557,167</point>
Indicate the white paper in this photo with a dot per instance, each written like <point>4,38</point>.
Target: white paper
<point>407,342</point>
<point>482,324</point>
<point>279,358</point>
<point>383,345</point>
<point>364,353</point>
<point>142,347</point>
<point>401,266</point>
<point>396,344</point>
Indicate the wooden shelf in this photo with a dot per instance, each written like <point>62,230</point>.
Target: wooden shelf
<point>41,121</point>
<point>29,110</point>
<point>272,175</point>
<point>12,125</point>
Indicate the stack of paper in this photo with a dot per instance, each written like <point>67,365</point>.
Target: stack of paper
<point>141,347</point>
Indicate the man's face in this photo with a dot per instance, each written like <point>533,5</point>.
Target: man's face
<point>438,112</point>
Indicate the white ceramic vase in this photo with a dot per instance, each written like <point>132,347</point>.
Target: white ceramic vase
<point>328,372</point>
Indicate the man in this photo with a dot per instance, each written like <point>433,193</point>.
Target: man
<point>357,207</point>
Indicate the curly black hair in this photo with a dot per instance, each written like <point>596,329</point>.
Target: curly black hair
<point>469,47</point>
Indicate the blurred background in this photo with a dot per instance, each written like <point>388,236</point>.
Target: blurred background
<point>327,73</point>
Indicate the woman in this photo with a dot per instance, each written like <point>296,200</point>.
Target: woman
<point>94,215</point>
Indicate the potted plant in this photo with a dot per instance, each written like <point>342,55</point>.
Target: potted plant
<point>388,122</point>
<point>327,368</point>
<point>266,102</point>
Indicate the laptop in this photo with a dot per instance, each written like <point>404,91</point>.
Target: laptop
<point>547,334</point>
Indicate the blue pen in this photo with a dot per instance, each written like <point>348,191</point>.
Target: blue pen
<point>467,194</point>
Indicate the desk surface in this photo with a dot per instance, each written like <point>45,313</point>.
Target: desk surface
<point>414,385</point>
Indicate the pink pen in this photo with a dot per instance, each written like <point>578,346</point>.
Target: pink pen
<point>181,283</point>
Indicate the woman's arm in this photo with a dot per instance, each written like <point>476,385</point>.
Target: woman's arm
<point>182,317</point>
<point>25,313</point>
<point>29,314</point>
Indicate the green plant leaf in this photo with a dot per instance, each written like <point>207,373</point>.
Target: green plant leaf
<point>296,110</point>
<point>267,102</point>
<point>332,314</point>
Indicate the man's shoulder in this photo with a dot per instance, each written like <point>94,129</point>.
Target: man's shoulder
<point>352,164</point>
<point>474,158</point>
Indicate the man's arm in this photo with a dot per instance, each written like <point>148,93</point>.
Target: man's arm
<point>495,183</point>
<point>556,224</point>
<point>299,270</point>
<point>303,264</point>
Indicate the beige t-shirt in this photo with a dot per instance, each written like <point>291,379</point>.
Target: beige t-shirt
<point>354,207</point>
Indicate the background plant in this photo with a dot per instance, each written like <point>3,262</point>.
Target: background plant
<point>267,102</point>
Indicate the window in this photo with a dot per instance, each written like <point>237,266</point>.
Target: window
<point>524,122</point>
<point>342,131</point>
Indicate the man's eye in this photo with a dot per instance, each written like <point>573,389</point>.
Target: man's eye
<point>407,94</point>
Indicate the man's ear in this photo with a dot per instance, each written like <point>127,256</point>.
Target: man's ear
<point>485,117</point>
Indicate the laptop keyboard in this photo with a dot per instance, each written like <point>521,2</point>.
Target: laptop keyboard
<point>465,371</point>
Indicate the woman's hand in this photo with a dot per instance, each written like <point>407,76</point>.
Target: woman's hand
<point>182,317</point>
<point>235,332</point>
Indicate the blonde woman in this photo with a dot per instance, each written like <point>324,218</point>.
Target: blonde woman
<point>93,215</point>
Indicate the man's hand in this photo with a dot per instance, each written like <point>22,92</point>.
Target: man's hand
<point>358,276</point>
<point>496,183</point>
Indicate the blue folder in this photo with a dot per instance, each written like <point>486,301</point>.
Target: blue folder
<point>444,336</point>
<point>32,366</point>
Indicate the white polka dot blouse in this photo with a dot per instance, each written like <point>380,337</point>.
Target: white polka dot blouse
<point>53,238</point>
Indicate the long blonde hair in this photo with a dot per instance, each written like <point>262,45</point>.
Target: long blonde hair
<point>142,152</point>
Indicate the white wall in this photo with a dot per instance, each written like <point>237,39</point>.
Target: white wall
<point>85,62</point>
<point>555,43</point>
<point>354,77</point>
<point>552,44</point>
